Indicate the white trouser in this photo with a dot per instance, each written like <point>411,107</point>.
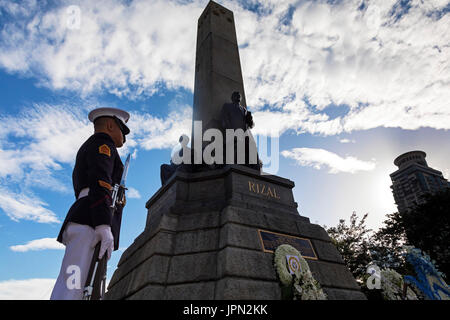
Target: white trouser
<point>79,240</point>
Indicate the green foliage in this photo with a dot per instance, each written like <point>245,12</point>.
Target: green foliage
<point>353,243</point>
<point>426,226</point>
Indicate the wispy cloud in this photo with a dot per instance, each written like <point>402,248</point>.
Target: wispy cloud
<point>388,67</point>
<point>132,193</point>
<point>37,142</point>
<point>34,147</point>
<point>25,207</point>
<point>318,158</point>
<point>30,289</point>
<point>149,132</point>
<point>38,244</point>
<point>131,42</point>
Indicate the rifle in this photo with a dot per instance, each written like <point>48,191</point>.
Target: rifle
<point>118,195</point>
<point>95,285</point>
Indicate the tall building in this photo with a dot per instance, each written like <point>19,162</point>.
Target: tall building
<point>413,179</point>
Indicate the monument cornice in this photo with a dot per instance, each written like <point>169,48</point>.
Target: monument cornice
<point>218,173</point>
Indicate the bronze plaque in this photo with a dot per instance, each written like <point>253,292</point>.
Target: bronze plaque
<point>271,240</point>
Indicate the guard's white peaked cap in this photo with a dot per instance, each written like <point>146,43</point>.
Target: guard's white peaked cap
<point>122,115</point>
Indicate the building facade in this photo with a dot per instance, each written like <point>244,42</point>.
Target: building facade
<point>413,179</point>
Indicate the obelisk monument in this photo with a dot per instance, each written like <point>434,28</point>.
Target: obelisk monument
<point>211,234</point>
<point>217,65</point>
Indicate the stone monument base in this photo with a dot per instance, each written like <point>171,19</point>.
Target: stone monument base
<point>210,235</point>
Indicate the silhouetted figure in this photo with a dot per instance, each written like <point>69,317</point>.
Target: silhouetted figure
<point>235,116</point>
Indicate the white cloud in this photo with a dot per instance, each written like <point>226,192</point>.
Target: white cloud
<point>132,193</point>
<point>318,158</point>
<point>389,70</point>
<point>391,74</point>
<point>34,146</point>
<point>149,132</point>
<point>30,289</point>
<point>40,140</point>
<point>38,244</point>
<point>133,45</point>
<point>24,207</point>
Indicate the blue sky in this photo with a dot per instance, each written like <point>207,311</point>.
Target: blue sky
<point>346,86</point>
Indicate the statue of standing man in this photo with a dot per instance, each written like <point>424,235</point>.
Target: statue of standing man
<point>236,117</point>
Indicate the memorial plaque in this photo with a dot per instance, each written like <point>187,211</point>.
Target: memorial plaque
<point>271,240</point>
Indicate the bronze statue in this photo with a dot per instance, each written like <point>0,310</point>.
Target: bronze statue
<point>235,116</point>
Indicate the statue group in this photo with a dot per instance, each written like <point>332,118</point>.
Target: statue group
<point>234,119</point>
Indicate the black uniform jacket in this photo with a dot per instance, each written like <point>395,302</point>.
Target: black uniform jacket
<point>97,167</point>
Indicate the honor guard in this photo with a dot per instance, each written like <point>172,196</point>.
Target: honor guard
<point>91,218</point>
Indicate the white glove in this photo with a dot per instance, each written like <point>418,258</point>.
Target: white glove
<point>103,233</point>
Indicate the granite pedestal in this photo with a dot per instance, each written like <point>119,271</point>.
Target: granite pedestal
<point>202,240</point>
